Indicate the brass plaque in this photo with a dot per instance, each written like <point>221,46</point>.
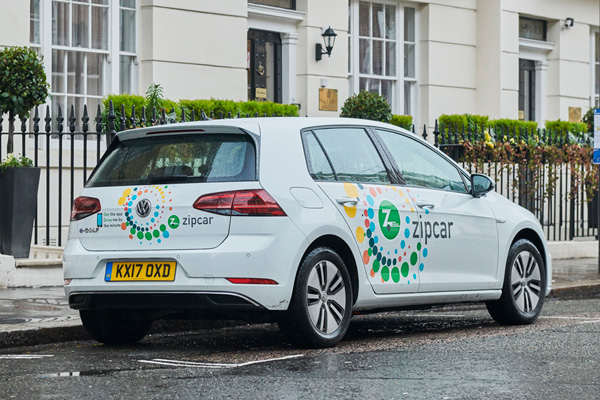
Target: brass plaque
<point>574,114</point>
<point>328,99</point>
<point>521,115</point>
<point>261,93</point>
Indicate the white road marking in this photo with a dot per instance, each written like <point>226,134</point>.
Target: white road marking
<point>23,356</point>
<point>190,364</point>
<point>583,320</point>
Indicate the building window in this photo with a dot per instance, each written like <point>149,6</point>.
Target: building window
<point>534,29</point>
<point>289,4</point>
<point>381,36</point>
<point>79,51</point>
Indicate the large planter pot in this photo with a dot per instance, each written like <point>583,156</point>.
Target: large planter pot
<point>18,200</point>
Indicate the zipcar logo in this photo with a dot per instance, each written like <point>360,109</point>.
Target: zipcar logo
<point>143,208</point>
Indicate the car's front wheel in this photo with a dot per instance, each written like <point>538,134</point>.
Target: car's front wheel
<point>114,327</point>
<point>321,306</point>
<point>524,288</point>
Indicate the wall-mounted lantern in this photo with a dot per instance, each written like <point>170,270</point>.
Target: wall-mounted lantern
<point>569,22</point>
<point>329,41</point>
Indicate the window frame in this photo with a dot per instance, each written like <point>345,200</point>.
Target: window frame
<point>391,172</point>
<point>399,80</point>
<point>463,174</point>
<point>111,56</point>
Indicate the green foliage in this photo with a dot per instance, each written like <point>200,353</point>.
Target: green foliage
<point>454,122</point>
<point>588,119</point>
<point>403,121</point>
<point>22,81</point>
<point>243,107</point>
<point>15,161</point>
<point>119,100</point>
<point>507,126</point>
<point>155,96</point>
<point>366,105</point>
<point>565,126</point>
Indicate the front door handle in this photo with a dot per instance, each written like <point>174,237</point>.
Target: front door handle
<point>345,200</point>
<point>425,204</point>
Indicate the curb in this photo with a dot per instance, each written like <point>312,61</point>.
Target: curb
<point>576,292</point>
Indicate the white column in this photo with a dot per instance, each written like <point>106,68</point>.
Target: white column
<point>541,78</point>
<point>289,45</point>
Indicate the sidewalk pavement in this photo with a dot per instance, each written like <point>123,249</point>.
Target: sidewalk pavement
<point>30,316</point>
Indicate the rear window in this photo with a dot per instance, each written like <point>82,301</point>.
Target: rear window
<point>178,158</point>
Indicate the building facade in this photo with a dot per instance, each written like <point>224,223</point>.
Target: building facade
<point>533,60</point>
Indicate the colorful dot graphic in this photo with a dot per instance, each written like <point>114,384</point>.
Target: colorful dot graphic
<point>384,231</point>
<point>152,227</point>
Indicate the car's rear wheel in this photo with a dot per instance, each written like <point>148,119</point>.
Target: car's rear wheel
<point>113,326</point>
<point>321,306</point>
<point>524,288</point>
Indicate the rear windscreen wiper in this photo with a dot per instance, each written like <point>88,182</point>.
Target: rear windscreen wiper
<point>167,178</point>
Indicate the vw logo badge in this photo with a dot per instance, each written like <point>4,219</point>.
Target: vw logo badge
<point>143,208</point>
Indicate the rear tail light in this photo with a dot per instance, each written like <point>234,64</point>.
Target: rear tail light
<point>242,202</point>
<point>252,281</point>
<point>84,207</point>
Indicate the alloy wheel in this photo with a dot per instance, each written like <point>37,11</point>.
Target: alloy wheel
<point>526,282</point>
<point>326,297</point>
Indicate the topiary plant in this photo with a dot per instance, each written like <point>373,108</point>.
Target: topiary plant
<point>366,105</point>
<point>22,85</point>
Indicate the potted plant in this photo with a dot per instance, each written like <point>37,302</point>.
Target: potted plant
<point>23,86</point>
<point>19,186</point>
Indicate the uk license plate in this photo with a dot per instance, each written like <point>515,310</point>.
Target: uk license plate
<point>140,271</point>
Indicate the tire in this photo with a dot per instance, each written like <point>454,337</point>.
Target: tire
<point>524,288</point>
<point>321,305</point>
<point>114,327</point>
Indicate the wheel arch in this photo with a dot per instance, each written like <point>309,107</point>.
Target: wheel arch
<point>338,245</point>
<point>534,238</point>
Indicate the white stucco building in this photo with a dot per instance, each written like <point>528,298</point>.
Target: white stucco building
<point>533,59</point>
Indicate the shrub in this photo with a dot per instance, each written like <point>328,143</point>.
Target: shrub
<point>403,121</point>
<point>456,122</point>
<point>23,84</point>
<point>588,119</point>
<point>506,126</point>
<point>366,105</point>
<point>243,107</point>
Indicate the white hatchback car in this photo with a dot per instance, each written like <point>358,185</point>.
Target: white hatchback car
<point>302,221</point>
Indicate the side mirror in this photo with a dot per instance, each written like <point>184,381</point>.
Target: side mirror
<point>481,184</point>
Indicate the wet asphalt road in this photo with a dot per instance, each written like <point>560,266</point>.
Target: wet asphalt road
<point>450,353</point>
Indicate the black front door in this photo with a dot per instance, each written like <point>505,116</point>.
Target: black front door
<point>526,90</point>
<point>264,66</point>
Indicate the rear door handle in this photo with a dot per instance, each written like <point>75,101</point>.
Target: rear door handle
<point>425,204</point>
<point>347,200</point>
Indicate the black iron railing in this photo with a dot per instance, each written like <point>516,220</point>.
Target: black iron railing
<point>68,156</point>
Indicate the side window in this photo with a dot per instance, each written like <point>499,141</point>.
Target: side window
<point>421,166</point>
<point>352,155</point>
<point>318,166</point>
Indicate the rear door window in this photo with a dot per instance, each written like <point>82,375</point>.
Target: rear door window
<point>178,158</point>
<point>346,153</point>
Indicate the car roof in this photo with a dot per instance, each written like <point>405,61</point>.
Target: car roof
<point>283,125</point>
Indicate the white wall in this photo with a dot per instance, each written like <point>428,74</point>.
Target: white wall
<point>14,29</point>
<point>194,48</point>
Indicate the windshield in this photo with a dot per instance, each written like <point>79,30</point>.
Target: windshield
<point>178,158</point>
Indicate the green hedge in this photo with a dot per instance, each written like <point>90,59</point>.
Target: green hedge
<point>507,126</point>
<point>403,121</point>
<point>459,121</point>
<point>174,109</point>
